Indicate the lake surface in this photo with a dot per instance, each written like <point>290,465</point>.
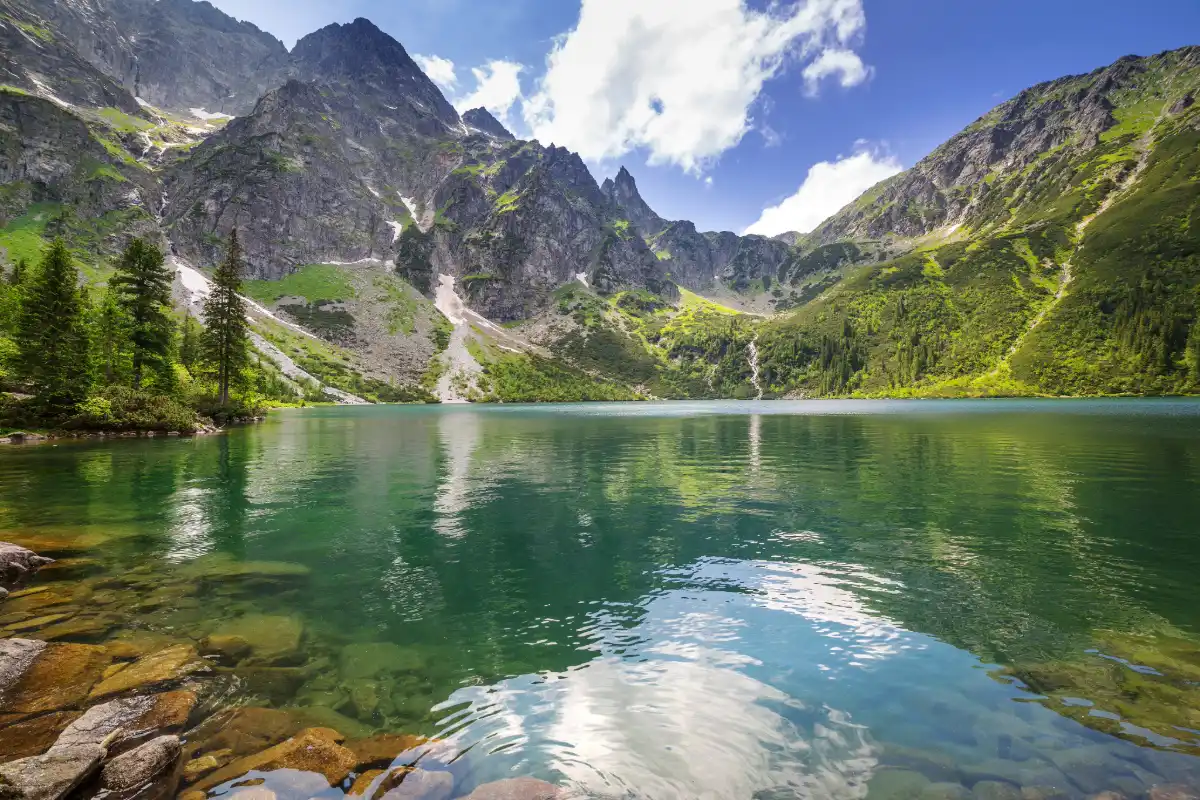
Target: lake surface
<point>718,600</point>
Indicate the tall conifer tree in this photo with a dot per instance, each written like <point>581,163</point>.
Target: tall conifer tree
<point>143,283</point>
<point>223,344</point>
<point>51,338</point>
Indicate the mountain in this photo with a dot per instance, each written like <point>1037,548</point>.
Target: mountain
<point>1049,248</point>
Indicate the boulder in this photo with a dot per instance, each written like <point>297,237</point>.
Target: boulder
<point>262,638</point>
<point>16,656</point>
<point>60,677</point>
<point>245,731</point>
<point>148,771</point>
<point>516,789</point>
<point>312,750</point>
<point>422,784</point>
<point>129,719</point>
<point>166,666</point>
<point>382,751</point>
<point>368,660</point>
<point>18,563</point>
<point>50,776</point>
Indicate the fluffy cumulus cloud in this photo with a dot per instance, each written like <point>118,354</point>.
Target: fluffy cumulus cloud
<point>680,78</point>
<point>497,88</point>
<point>836,62</point>
<point>440,70</point>
<point>829,186</point>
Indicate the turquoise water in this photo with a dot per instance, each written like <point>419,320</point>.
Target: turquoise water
<point>724,600</point>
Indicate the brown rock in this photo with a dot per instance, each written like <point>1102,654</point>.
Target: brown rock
<point>362,784</point>
<point>382,751</point>
<point>197,768</point>
<point>1107,796</point>
<point>59,678</point>
<point>50,776</point>
<point>130,718</point>
<point>227,647</point>
<point>149,770</point>
<point>38,622</point>
<point>516,789</point>
<point>246,731</point>
<point>35,736</point>
<point>420,784</point>
<point>81,627</point>
<point>172,664</point>
<point>271,639</point>
<point>311,750</point>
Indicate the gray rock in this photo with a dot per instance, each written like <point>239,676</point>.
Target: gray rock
<point>1174,791</point>
<point>18,563</point>
<point>154,762</point>
<point>516,789</point>
<point>50,776</point>
<point>16,657</point>
<point>127,718</point>
<point>482,119</point>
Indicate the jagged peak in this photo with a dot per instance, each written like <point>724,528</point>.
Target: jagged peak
<point>482,119</point>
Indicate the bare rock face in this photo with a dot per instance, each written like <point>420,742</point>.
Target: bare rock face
<point>128,719</point>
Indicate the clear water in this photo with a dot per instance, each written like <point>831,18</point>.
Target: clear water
<point>720,600</point>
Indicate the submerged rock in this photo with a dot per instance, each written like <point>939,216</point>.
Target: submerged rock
<point>260,638</point>
<point>374,659</point>
<point>995,790</point>
<point>50,776</point>
<point>382,751</point>
<point>896,784</point>
<point>945,791</point>
<point>312,750</point>
<point>1174,791</point>
<point>516,789</point>
<point>245,731</point>
<point>148,771</point>
<point>422,784</point>
<point>172,664</point>
<point>59,677</point>
<point>35,736</point>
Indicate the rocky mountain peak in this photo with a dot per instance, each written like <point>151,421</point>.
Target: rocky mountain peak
<point>482,119</point>
<point>623,193</point>
<point>364,58</point>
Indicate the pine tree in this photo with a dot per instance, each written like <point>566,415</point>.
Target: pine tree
<point>52,340</point>
<point>189,343</point>
<point>223,343</point>
<point>111,334</point>
<point>143,283</point>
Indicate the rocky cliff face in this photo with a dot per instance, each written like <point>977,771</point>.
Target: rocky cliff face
<point>482,120</point>
<point>174,54</point>
<point>693,259</point>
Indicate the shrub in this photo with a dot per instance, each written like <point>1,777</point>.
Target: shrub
<point>123,409</point>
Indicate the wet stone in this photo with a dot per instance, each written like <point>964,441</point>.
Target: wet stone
<point>516,789</point>
<point>421,784</point>
<point>945,791</point>
<point>1044,793</point>
<point>382,751</point>
<point>59,678</point>
<point>172,664</point>
<point>50,776</point>
<point>152,763</point>
<point>245,731</point>
<point>1173,791</point>
<point>35,736</point>
<point>312,750</point>
<point>131,718</point>
<point>375,659</point>
<point>263,638</point>
<point>38,622</point>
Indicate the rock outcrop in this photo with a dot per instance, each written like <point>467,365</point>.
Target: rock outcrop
<point>481,119</point>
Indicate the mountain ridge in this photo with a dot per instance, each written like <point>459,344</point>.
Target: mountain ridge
<point>976,271</point>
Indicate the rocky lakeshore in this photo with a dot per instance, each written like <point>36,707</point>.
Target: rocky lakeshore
<point>146,715</point>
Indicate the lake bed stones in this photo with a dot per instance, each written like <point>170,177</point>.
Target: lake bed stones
<point>314,750</point>
<point>516,789</point>
<point>166,666</point>
<point>49,776</point>
<point>148,772</point>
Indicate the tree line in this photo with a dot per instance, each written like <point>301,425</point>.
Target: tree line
<point>125,358</point>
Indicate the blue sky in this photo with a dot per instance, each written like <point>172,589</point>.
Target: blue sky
<point>742,115</point>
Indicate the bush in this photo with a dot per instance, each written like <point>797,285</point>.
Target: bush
<point>118,408</point>
<point>236,410</point>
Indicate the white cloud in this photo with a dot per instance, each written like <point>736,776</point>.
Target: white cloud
<point>440,71</point>
<point>828,187</point>
<point>497,88</point>
<point>676,77</point>
<point>836,62</point>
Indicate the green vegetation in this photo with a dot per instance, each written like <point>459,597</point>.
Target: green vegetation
<point>314,283</point>
<point>122,122</point>
<point>523,378</point>
<point>508,202</point>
